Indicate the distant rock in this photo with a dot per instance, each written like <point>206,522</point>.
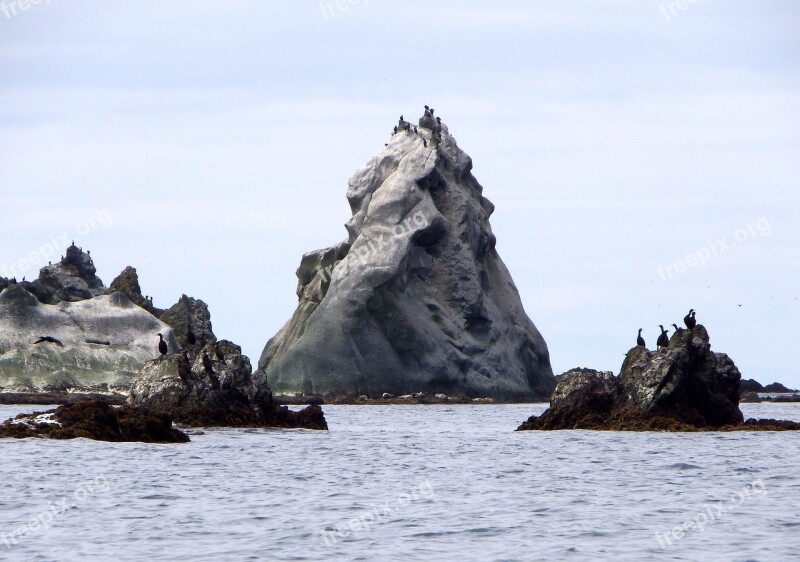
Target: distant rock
<point>417,297</point>
<point>212,385</point>
<point>777,387</point>
<point>750,385</point>
<point>189,312</point>
<point>749,397</point>
<point>77,363</point>
<point>685,387</point>
<point>72,279</point>
<point>95,419</point>
<point>127,283</point>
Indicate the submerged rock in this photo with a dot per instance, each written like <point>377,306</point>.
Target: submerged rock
<point>95,419</point>
<point>684,387</point>
<point>211,385</point>
<point>417,297</point>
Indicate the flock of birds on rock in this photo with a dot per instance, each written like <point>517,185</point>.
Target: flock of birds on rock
<point>404,125</point>
<point>663,338</point>
<point>184,369</point>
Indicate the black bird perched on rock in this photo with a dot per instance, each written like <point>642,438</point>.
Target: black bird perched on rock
<point>394,132</point>
<point>676,328</point>
<point>191,339</point>
<point>689,319</point>
<point>49,339</point>
<point>415,130</point>
<point>219,354</point>
<point>162,345</point>
<point>184,368</point>
<point>663,339</point>
<point>209,369</point>
<point>640,339</point>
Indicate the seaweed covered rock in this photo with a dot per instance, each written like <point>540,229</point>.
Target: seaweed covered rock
<point>95,419</point>
<point>211,385</point>
<point>683,387</point>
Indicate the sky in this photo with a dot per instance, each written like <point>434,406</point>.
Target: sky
<point>643,156</point>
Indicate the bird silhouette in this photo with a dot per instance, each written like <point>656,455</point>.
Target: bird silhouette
<point>640,339</point>
<point>689,319</point>
<point>191,339</point>
<point>663,339</point>
<point>49,339</point>
<point>162,345</point>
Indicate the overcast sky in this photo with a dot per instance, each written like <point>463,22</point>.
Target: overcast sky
<point>209,144</point>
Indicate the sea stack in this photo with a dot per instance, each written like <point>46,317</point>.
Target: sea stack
<point>416,299</point>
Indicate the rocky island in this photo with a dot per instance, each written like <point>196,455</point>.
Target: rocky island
<point>416,299</point>
<point>684,386</point>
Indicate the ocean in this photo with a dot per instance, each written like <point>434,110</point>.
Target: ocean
<point>407,483</point>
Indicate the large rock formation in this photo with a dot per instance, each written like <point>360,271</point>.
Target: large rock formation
<point>189,313</point>
<point>683,387</point>
<point>72,279</point>
<point>211,385</point>
<point>104,342</point>
<point>417,298</point>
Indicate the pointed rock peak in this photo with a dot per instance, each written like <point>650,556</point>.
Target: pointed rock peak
<point>416,299</point>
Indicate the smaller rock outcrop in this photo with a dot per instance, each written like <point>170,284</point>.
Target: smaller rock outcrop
<point>72,279</point>
<point>95,419</point>
<point>750,385</point>
<point>127,283</point>
<point>211,385</point>
<point>777,387</point>
<point>189,312</point>
<point>683,387</point>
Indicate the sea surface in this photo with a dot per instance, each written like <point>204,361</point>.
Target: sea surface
<point>393,483</point>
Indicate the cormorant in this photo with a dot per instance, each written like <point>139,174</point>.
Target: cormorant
<point>395,130</point>
<point>431,112</point>
<point>415,130</point>
<point>640,339</point>
<point>676,328</point>
<point>162,345</point>
<point>190,337</point>
<point>689,319</point>
<point>184,368</point>
<point>219,354</point>
<point>663,339</point>
<point>424,143</point>
<point>209,369</point>
<point>49,339</point>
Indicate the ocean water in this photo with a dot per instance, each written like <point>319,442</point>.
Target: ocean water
<point>407,483</point>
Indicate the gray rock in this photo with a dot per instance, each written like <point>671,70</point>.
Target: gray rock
<point>72,279</point>
<point>127,283</point>
<point>417,297</point>
<point>189,311</point>
<point>25,367</point>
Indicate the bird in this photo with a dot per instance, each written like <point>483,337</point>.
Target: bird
<point>49,339</point>
<point>184,368</point>
<point>209,369</point>
<point>424,143</point>
<point>640,339</point>
<point>162,345</point>
<point>415,130</point>
<point>191,339</point>
<point>689,319</point>
<point>431,112</point>
<point>219,354</point>
<point>676,328</point>
<point>401,119</point>
<point>395,130</point>
<point>663,339</point>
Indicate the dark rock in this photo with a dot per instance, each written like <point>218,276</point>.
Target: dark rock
<point>750,385</point>
<point>127,283</point>
<point>95,419</point>
<point>685,387</point>
<point>224,395</point>
<point>72,279</point>
<point>777,387</point>
<point>417,297</point>
<point>189,311</point>
<point>749,397</point>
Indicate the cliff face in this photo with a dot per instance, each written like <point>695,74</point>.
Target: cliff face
<point>104,341</point>
<point>417,298</point>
